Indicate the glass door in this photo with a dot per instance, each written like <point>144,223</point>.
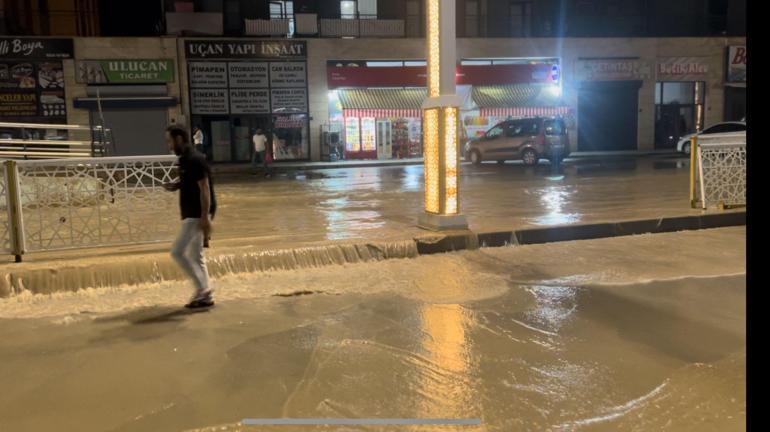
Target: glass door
<point>384,139</point>
<point>221,141</point>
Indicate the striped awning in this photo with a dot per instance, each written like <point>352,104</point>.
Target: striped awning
<point>517,100</point>
<point>382,103</point>
<point>524,112</point>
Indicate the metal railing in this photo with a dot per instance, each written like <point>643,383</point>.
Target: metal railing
<point>89,202</point>
<point>718,170</point>
<point>49,141</point>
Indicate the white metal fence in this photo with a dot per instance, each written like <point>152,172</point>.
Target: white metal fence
<point>73,203</point>
<point>721,160</point>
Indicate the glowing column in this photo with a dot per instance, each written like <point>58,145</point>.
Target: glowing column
<point>440,122</point>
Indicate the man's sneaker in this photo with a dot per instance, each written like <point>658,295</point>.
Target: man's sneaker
<point>200,303</point>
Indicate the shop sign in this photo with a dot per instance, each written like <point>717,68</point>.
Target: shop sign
<point>35,48</point>
<point>249,101</point>
<point>32,91</point>
<point>248,74</point>
<point>682,69</point>
<point>209,101</point>
<point>245,49</point>
<point>611,69</point>
<point>288,99</point>
<point>208,74</point>
<point>128,71</point>
<point>288,74</point>
<point>736,63</point>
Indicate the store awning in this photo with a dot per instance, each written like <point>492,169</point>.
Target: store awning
<point>381,103</point>
<point>518,100</point>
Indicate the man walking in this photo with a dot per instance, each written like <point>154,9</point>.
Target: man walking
<point>198,205</point>
<point>260,144</point>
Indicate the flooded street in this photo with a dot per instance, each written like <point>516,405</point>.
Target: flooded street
<point>629,333</point>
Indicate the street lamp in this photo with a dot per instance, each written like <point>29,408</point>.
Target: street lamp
<point>440,125</point>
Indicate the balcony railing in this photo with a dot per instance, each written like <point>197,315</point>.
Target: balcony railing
<point>361,27</point>
<point>271,27</point>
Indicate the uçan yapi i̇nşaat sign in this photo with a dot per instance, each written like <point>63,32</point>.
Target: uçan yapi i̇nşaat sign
<point>126,71</point>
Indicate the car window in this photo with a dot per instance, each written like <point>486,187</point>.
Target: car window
<point>735,128</point>
<point>725,127</point>
<point>531,127</point>
<point>495,131</point>
<point>554,127</point>
<point>513,129</point>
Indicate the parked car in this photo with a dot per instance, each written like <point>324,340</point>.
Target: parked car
<point>528,140</point>
<point>683,146</point>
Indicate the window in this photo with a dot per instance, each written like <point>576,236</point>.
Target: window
<point>724,128</point>
<point>520,16</point>
<point>495,132</point>
<point>361,9</point>
<point>554,127</point>
<point>472,18</point>
<point>283,9</point>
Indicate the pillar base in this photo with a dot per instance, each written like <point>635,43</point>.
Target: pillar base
<point>435,222</point>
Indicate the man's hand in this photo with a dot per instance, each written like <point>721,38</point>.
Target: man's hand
<point>171,186</point>
<point>206,227</point>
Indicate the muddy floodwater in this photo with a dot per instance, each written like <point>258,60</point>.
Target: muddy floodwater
<point>579,336</point>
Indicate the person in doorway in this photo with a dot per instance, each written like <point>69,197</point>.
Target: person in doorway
<point>259,141</point>
<point>198,140</point>
<point>198,205</point>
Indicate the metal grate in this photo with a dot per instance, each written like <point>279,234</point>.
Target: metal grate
<point>90,202</point>
<point>722,169</point>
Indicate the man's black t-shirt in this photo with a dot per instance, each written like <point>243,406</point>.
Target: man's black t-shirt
<point>192,169</point>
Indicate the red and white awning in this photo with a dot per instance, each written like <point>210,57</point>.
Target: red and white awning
<point>382,113</point>
<point>524,111</point>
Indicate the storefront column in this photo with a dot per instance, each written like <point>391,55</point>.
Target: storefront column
<point>441,122</point>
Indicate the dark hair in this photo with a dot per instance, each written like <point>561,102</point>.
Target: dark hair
<point>178,131</point>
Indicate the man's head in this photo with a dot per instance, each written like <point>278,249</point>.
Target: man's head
<point>177,139</point>
<point>259,131</point>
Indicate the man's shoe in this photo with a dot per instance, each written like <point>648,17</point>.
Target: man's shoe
<point>200,303</point>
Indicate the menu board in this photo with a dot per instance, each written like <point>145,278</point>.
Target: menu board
<point>368,134</point>
<point>31,90</point>
<point>248,87</point>
<point>289,100</point>
<point>209,101</point>
<point>248,74</point>
<point>288,74</point>
<point>208,74</point>
<point>249,101</point>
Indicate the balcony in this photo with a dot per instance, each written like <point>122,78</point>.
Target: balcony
<point>271,27</point>
<point>194,23</point>
<point>362,27</point>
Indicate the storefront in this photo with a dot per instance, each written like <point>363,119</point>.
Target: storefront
<point>608,102</point>
<point>376,104</point>
<point>680,98</point>
<point>123,93</point>
<point>32,86</point>
<point>735,83</point>
<point>237,86</point>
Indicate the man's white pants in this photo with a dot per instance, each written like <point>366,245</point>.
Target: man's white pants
<point>188,253</point>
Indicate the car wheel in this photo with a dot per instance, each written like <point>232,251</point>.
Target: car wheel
<point>529,157</point>
<point>686,149</point>
<point>475,157</point>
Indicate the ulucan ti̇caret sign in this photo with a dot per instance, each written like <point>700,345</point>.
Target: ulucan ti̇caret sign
<point>244,49</point>
<point>35,48</point>
<point>611,69</point>
<point>126,71</point>
<point>736,64</point>
<point>682,69</point>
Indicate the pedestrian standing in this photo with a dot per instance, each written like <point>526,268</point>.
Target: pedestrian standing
<point>197,204</point>
<point>259,141</point>
<point>198,140</point>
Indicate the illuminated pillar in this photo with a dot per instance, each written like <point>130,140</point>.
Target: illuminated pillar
<point>440,123</point>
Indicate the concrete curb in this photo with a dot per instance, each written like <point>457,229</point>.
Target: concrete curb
<point>156,268</point>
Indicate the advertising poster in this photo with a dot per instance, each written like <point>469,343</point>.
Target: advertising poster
<point>248,74</point>
<point>249,101</point>
<point>368,134</point>
<point>32,91</point>
<point>209,75</point>
<point>289,99</point>
<point>288,74</point>
<point>209,101</point>
<point>352,136</point>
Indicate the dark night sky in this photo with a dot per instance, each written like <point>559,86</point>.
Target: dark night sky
<point>129,17</point>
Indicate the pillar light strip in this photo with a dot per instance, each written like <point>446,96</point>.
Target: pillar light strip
<point>450,159</point>
<point>431,157</point>
<point>434,51</point>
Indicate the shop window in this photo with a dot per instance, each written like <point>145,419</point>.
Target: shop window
<point>292,140</point>
<point>520,18</point>
<point>283,9</point>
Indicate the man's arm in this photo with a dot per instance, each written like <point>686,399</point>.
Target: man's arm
<point>203,184</point>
